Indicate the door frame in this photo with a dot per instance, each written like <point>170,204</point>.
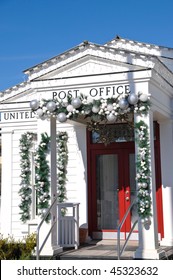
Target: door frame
<point>113,148</point>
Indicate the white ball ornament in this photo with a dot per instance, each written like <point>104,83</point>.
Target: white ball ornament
<point>76,102</point>
<point>61,117</point>
<point>133,99</point>
<point>90,100</point>
<point>95,109</point>
<point>123,104</point>
<point>34,104</point>
<point>144,185</point>
<point>87,111</point>
<point>70,108</point>
<point>51,106</point>
<point>147,220</point>
<point>110,107</point>
<point>44,211</point>
<point>40,112</point>
<point>143,96</point>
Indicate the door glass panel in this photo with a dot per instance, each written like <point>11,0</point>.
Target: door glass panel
<point>107,195</point>
<point>113,133</point>
<point>132,172</point>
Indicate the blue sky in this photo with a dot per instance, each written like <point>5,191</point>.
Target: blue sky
<point>32,31</point>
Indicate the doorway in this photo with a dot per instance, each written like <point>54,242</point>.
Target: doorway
<point>111,188</point>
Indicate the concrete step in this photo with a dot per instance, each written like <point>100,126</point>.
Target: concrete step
<point>106,250</point>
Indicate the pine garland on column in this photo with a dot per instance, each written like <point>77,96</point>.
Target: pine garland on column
<point>26,143</point>
<point>62,161</point>
<point>143,171</point>
<point>42,173</point>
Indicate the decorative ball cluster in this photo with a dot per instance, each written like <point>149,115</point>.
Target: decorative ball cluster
<point>108,109</point>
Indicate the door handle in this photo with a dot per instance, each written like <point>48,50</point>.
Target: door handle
<point>127,198</point>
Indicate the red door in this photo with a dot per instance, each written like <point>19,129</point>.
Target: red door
<point>111,184</point>
<point>112,187</point>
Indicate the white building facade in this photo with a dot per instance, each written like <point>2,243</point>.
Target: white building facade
<point>102,93</point>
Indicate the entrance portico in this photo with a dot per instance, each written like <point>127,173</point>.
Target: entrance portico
<point>105,165</point>
<point>105,98</point>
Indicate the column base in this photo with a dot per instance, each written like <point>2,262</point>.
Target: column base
<point>152,254</point>
<point>49,251</point>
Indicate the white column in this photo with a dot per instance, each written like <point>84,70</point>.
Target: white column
<point>148,234</point>
<point>53,177</point>
<point>166,143</point>
<point>50,127</point>
<point>6,192</point>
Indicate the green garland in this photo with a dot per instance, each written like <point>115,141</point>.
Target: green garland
<point>42,172</point>
<point>143,173</point>
<point>62,160</point>
<point>104,109</point>
<point>26,143</point>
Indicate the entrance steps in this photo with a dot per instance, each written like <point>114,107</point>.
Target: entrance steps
<point>105,250</point>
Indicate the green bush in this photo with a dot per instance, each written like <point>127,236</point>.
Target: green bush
<point>11,249</point>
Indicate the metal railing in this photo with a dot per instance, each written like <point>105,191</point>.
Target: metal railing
<point>38,250</point>
<point>119,249</point>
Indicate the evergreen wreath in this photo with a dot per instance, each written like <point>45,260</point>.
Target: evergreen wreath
<point>42,173</point>
<point>26,143</point>
<point>62,161</point>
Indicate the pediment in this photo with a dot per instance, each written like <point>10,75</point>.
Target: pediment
<point>86,60</point>
<point>89,65</point>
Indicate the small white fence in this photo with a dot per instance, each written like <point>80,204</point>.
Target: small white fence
<point>68,224</point>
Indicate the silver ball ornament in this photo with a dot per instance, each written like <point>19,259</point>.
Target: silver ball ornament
<point>123,104</point>
<point>61,117</point>
<point>76,102</point>
<point>133,99</point>
<point>111,118</point>
<point>34,104</point>
<point>51,106</point>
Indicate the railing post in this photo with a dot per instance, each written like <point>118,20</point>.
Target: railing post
<point>119,251</point>
<point>118,244</point>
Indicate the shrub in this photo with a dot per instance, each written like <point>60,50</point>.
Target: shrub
<point>11,249</point>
